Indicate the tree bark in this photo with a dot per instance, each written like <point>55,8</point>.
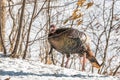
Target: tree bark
<point>2,25</point>
<point>48,24</point>
<point>108,37</point>
<point>30,25</point>
<point>116,70</point>
<point>13,54</point>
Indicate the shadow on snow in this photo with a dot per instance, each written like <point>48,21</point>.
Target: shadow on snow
<point>21,73</point>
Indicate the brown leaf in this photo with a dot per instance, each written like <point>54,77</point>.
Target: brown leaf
<point>7,78</point>
<point>76,10</point>
<point>80,15</point>
<point>81,2</point>
<point>89,5</point>
<point>79,22</point>
<point>74,13</point>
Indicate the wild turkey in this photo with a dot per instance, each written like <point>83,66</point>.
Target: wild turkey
<point>69,41</point>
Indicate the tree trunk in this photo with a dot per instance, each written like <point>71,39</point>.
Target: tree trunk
<point>48,24</point>
<point>2,25</point>
<point>108,37</point>
<point>28,35</point>
<point>116,70</point>
<point>13,54</point>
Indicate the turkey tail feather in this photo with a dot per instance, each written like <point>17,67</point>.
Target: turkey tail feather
<point>94,62</point>
<point>92,58</point>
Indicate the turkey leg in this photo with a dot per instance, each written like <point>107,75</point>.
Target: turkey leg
<point>68,58</point>
<point>83,62</point>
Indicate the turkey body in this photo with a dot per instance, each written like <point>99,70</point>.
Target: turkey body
<point>70,41</point>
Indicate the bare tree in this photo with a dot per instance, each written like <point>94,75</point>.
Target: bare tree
<point>28,24</point>
<point>2,25</point>
<point>29,30</point>
<point>14,52</point>
<point>103,31</point>
<point>109,35</point>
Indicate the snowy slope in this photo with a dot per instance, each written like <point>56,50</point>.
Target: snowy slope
<point>18,69</point>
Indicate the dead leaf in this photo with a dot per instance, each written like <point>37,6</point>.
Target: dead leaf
<point>89,5</point>
<point>79,22</point>
<point>81,2</point>
<point>7,78</point>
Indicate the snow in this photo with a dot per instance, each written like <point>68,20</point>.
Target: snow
<point>18,69</point>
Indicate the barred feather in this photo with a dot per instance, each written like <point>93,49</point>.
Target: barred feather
<point>69,41</point>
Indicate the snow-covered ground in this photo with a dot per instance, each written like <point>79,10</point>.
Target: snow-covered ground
<point>18,69</point>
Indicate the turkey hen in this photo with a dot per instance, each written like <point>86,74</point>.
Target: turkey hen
<point>70,41</point>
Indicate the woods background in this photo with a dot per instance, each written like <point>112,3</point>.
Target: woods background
<point>24,26</point>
